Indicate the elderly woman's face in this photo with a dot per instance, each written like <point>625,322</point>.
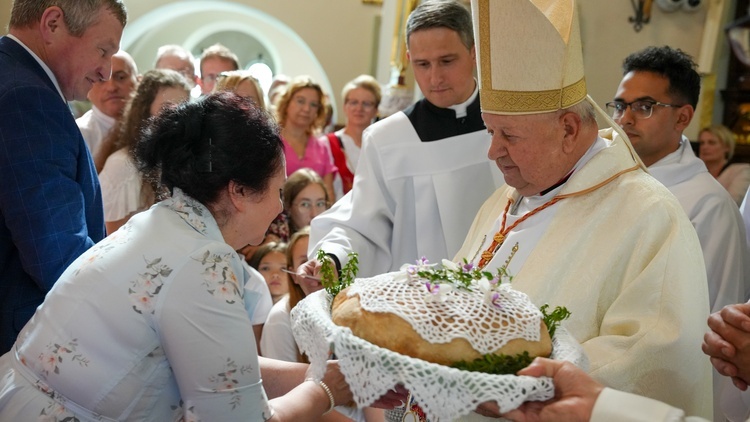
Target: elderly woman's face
<point>360,107</point>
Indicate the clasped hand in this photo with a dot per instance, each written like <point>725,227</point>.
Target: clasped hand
<point>728,343</point>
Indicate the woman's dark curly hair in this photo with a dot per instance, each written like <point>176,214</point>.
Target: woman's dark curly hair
<point>201,146</point>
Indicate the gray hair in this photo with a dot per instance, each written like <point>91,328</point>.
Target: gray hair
<point>174,50</point>
<point>584,110</point>
<point>78,15</point>
<point>442,14</point>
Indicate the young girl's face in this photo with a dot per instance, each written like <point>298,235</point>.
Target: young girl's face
<point>270,267</point>
<point>299,257</point>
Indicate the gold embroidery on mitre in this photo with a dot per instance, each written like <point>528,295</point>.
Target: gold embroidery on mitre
<point>484,43</point>
<point>500,101</point>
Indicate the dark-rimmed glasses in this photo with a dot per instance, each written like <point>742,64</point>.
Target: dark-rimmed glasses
<point>641,109</point>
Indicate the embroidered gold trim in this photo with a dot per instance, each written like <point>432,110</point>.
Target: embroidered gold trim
<point>499,101</point>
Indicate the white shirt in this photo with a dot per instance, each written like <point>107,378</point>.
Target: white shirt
<point>716,219</point>
<point>95,126</point>
<point>122,187</point>
<point>151,324</point>
<point>277,341</point>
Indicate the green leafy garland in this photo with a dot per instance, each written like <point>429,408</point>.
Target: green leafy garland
<point>504,364</point>
<point>332,282</point>
<point>462,277</point>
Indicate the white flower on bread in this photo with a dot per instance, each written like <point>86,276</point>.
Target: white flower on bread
<point>437,292</point>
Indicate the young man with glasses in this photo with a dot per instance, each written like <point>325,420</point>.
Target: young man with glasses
<point>654,103</point>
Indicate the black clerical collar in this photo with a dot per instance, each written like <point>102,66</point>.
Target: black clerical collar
<point>433,123</point>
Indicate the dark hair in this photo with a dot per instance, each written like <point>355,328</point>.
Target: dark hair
<point>674,64</point>
<point>264,250</point>
<point>78,15</point>
<point>442,14</point>
<point>201,146</point>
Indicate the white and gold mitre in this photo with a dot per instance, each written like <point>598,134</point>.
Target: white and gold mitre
<point>530,56</point>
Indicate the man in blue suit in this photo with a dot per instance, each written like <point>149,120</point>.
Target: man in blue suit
<point>50,201</point>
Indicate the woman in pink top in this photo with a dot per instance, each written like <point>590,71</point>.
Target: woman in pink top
<point>300,113</point>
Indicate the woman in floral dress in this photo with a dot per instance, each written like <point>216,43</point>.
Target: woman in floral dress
<point>153,323</point>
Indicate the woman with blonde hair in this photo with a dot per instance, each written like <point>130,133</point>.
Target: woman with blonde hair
<point>242,83</point>
<point>301,114</point>
<point>361,100</point>
<point>716,148</point>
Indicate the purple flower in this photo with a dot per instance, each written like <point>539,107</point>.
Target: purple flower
<point>432,288</point>
<point>437,292</point>
<point>496,300</point>
<point>468,267</point>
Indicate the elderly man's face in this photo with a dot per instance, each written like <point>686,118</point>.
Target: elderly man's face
<point>528,150</point>
<point>443,66</point>
<point>79,62</point>
<point>111,96</point>
<point>182,65</point>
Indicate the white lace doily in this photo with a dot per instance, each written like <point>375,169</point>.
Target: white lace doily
<point>460,314</point>
<point>444,393</point>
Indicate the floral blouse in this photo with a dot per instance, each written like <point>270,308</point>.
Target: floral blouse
<point>151,324</point>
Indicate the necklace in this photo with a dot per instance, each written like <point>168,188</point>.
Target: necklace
<point>499,237</point>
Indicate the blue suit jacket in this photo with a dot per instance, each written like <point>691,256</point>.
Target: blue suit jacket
<point>50,201</point>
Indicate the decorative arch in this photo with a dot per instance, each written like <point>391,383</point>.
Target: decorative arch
<point>289,53</point>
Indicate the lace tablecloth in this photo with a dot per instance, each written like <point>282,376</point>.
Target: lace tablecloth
<point>443,392</point>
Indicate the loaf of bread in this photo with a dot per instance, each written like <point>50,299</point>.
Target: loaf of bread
<point>391,331</point>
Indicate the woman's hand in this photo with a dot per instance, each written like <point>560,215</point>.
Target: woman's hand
<point>336,383</point>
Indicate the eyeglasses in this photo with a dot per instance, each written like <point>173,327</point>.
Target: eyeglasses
<point>309,205</point>
<point>301,101</point>
<point>367,105</point>
<point>641,109</point>
<point>210,77</point>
